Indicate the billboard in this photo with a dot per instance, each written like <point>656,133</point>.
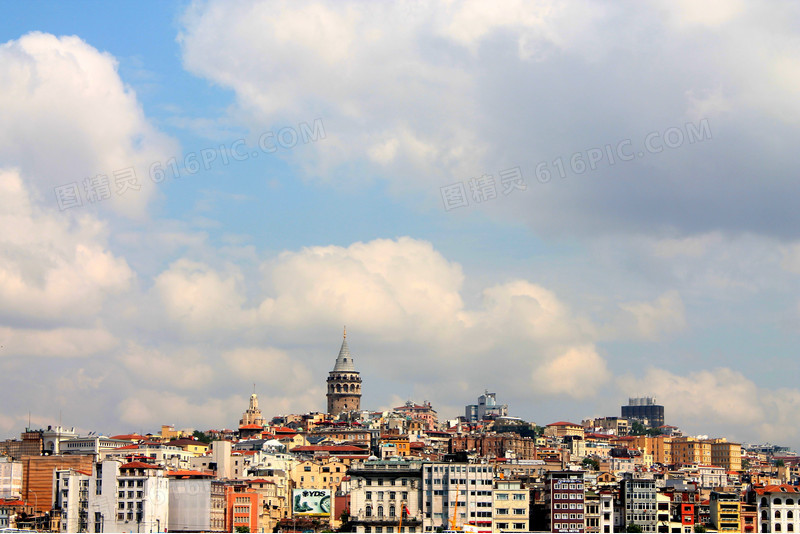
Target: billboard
<point>311,502</point>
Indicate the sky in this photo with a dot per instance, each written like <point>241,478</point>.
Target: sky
<point>566,203</point>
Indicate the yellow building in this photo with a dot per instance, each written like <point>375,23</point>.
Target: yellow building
<point>725,511</point>
<point>659,448</point>
<point>691,451</point>
<point>320,474</point>
<point>562,429</point>
<point>726,454</point>
<point>198,448</point>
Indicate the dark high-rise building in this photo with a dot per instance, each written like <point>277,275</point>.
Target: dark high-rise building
<point>344,383</point>
<point>645,410</point>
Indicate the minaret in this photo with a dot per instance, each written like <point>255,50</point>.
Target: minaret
<point>344,383</point>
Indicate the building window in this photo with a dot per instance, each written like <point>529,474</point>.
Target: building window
<point>380,511</point>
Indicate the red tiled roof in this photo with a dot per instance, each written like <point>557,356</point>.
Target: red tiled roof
<point>127,436</point>
<point>251,427</point>
<point>782,488</point>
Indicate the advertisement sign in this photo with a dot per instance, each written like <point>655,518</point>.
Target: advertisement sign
<point>311,502</point>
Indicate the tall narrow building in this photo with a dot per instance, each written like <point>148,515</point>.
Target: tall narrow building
<point>344,383</point>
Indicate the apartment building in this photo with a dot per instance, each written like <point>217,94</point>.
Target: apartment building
<point>386,496</point>
<point>639,502</point>
<point>564,500</point>
<point>457,494</point>
<point>725,508</point>
<point>778,508</point>
<point>511,506</point>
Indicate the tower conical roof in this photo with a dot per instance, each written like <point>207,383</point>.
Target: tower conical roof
<point>344,362</point>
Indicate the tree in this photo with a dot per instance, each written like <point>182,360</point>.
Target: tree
<point>633,527</point>
<point>699,528</point>
<point>779,463</point>
<point>199,436</point>
<point>591,463</point>
<point>242,529</point>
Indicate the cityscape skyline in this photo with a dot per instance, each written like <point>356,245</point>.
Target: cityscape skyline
<point>569,204</point>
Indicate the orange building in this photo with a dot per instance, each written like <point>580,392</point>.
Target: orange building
<point>241,507</point>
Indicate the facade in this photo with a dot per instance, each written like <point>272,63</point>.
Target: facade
<point>91,445</point>
<point>495,445</point>
<point>457,494</point>
<point>564,428</point>
<point>639,502</point>
<point>386,496</point>
<point>344,383</point>
<point>778,508</point>
<point>511,507</point>
<point>10,478</point>
<point>645,410</point>
<point>128,497</point>
<point>725,511</point>
<point>420,412</point>
<point>565,501</point>
<point>242,504</point>
<point>37,482</point>
<point>616,426</point>
<point>726,454</point>
<point>71,503</point>
<point>691,451</point>
<point>487,408</point>
<point>52,437</point>
<point>196,503</point>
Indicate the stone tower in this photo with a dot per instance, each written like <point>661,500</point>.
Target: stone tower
<point>344,383</point>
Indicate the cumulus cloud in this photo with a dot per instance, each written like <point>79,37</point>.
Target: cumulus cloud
<point>68,116</point>
<point>652,319</point>
<point>721,401</point>
<point>56,342</point>
<point>429,94</point>
<point>270,368</point>
<point>52,266</point>
<point>579,373</point>
<point>181,367</point>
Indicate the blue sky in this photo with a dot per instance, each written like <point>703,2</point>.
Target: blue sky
<point>671,274</point>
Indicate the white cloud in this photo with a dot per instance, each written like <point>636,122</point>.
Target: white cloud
<point>52,266</point>
<point>652,319</point>
<point>56,342</point>
<point>272,370</point>
<point>200,300</point>
<point>67,116</point>
<point>181,367</point>
<point>579,373</point>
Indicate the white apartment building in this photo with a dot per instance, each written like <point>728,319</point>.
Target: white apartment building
<point>456,494</point>
<point>385,496</point>
<point>129,497</point>
<point>71,499</point>
<point>778,508</point>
